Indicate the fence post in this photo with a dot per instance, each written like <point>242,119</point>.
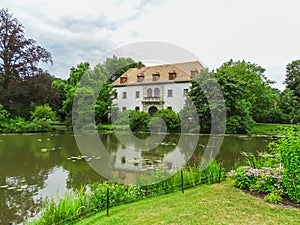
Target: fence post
<point>182,188</point>
<point>107,201</point>
<point>220,172</point>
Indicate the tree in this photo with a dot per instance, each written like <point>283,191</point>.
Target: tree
<point>19,56</point>
<point>292,79</point>
<point>115,66</point>
<point>95,83</point>
<point>71,86</point>
<point>289,106</point>
<point>23,94</point>
<point>247,93</point>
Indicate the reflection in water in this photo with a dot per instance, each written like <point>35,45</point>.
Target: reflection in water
<point>36,166</point>
<point>55,185</point>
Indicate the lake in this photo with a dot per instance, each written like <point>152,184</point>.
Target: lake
<point>36,166</point>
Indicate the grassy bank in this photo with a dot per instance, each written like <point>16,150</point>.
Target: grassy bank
<point>270,128</point>
<point>258,129</point>
<point>206,204</point>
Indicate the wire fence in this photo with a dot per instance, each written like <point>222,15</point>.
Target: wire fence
<point>109,196</point>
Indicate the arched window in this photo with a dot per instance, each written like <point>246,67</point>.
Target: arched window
<point>156,92</point>
<point>149,92</point>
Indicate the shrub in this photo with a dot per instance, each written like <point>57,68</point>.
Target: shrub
<point>4,114</point>
<point>44,112</point>
<point>80,203</point>
<point>171,119</point>
<point>273,197</point>
<point>139,121</point>
<point>121,118</point>
<point>288,148</point>
<point>264,180</point>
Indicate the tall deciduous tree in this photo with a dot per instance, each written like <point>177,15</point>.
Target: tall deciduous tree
<point>247,93</point>
<point>19,56</point>
<point>97,81</point>
<point>292,79</point>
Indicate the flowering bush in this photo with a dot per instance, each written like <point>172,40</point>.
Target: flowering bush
<point>264,180</point>
<point>288,148</point>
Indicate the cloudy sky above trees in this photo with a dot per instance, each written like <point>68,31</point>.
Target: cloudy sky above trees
<point>262,32</point>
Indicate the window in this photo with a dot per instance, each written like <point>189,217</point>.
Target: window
<point>124,94</point>
<point>169,108</point>
<point>116,95</point>
<point>170,93</point>
<point>124,109</point>
<point>172,75</point>
<point>140,77</point>
<point>194,72</point>
<point>137,108</point>
<point>123,79</point>
<point>185,92</point>
<point>155,76</point>
<point>156,92</point>
<point>137,94</point>
<point>149,92</point>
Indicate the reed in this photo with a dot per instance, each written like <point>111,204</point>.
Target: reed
<point>80,203</point>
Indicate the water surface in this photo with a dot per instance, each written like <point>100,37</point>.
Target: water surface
<point>36,166</point>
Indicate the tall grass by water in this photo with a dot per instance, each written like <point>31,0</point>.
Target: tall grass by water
<point>89,200</point>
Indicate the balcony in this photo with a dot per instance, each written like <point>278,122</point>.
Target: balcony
<point>152,100</point>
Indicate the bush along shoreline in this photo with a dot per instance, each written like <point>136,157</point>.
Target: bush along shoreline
<point>281,179</point>
<point>43,119</point>
<point>89,200</point>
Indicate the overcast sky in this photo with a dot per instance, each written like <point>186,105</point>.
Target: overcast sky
<point>265,32</point>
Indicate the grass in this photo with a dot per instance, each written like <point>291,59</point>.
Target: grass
<point>206,204</point>
<point>269,128</point>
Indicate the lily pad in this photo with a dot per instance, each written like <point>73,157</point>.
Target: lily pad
<point>44,150</point>
<point>11,188</point>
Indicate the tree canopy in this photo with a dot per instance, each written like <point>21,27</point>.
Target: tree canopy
<point>292,79</point>
<point>19,55</point>
<point>247,93</point>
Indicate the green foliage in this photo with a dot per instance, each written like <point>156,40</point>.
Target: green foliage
<point>139,121</point>
<point>247,93</point>
<point>273,197</point>
<point>121,118</point>
<point>43,112</point>
<point>292,79</point>
<point>264,180</point>
<point>98,81</point>
<point>78,204</point>
<point>289,153</point>
<point>288,107</point>
<point>4,114</point>
<point>170,118</point>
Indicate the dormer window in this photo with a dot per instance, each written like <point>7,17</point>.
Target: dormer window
<point>140,77</point>
<point>123,79</point>
<point>194,72</point>
<point>155,76</point>
<point>172,75</point>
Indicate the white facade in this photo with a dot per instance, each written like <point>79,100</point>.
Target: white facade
<point>137,97</point>
<point>157,87</point>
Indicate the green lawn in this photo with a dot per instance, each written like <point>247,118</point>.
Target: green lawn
<point>207,204</point>
<point>269,128</point>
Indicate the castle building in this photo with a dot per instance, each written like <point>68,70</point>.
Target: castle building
<point>155,87</point>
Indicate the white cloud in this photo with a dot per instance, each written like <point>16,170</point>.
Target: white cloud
<point>263,32</point>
